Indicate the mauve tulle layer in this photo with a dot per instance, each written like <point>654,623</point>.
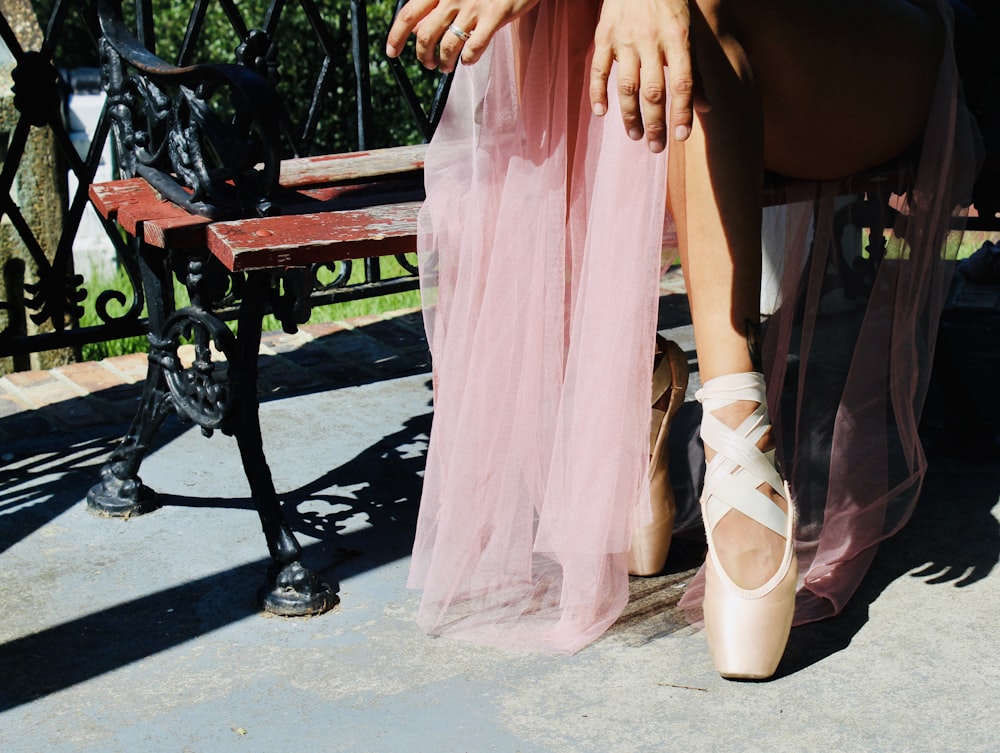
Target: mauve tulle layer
<point>540,245</point>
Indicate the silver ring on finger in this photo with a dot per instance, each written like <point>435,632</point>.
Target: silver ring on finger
<point>459,32</point>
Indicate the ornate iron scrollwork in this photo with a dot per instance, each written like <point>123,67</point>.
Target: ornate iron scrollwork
<point>132,307</point>
<point>210,139</point>
<point>258,53</point>
<point>340,271</point>
<point>404,262</point>
<point>54,297</point>
<point>202,391</point>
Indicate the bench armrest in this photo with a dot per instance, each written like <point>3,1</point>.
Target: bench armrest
<point>205,136</point>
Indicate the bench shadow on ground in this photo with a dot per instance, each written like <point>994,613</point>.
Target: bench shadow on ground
<point>357,516</point>
<point>48,466</point>
<point>58,657</point>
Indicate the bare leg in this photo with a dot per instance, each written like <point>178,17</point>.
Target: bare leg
<point>800,87</point>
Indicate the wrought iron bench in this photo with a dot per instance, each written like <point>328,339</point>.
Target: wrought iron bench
<point>206,197</point>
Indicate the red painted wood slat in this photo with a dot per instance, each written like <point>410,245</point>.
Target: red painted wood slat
<point>134,203</point>
<point>108,197</point>
<point>353,166</point>
<point>299,240</point>
<point>313,225</point>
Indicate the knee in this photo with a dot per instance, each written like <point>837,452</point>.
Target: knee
<point>717,31</point>
<point>730,19</point>
<point>711,13</point>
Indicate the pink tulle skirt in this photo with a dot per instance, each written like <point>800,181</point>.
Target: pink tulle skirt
<point>540,247</point>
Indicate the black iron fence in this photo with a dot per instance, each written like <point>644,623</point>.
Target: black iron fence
<point>324,60</point>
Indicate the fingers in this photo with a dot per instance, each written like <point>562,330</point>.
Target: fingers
<point>453,41</point>
<point>404,24</point>
<point>481,33</point>
<point>653,103</point>
<point>599,69</point>
<point>435,26</point>
<point>628,87</point>
<point>681,83</point>
<point>445,34</point>
<point>441,36</point>
<point>447,31</point>
<point>641,88</point>
<point>645,38</point>
<point>429,33</point>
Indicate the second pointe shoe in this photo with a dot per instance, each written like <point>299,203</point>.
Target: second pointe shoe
<point>747,629</point>
<point>651,540</point>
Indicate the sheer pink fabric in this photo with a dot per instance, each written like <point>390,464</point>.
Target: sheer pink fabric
<point>540,246</point>
<point>540,305</point>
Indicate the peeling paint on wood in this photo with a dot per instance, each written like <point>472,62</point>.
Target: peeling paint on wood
<point>335,207</point>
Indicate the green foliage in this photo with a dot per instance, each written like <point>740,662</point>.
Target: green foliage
<point>76,37</point>
<point>297,60</point>
<point>108,348</point>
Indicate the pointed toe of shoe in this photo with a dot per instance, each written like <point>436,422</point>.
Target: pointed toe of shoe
<point>747,636</point>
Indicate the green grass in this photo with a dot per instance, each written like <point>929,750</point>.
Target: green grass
<point>959,245</point>
<point>330,313</point>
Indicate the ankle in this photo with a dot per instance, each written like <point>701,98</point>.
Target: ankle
<point>735,413</point>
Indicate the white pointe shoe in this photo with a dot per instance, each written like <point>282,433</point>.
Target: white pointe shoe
<point>747,629</point>
<point>651,540</point>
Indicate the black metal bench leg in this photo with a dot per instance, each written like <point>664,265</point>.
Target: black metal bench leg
<point>291,589</point>
<point>120,492</point>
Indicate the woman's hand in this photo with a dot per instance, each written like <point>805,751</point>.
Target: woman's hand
<point>644,36</point>
<point>439,26</point>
